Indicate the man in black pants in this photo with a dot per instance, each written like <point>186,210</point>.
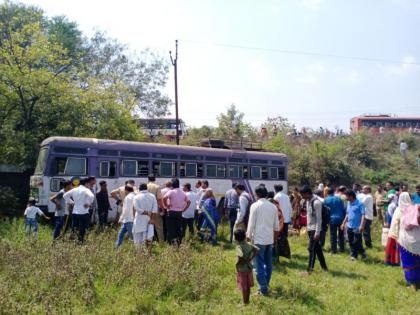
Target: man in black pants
<point>102,200</point>
<point>81,198</point>
<point>314,226</point>
<point>231,204</point>
<point>355,221</point>
<point>176,201</point>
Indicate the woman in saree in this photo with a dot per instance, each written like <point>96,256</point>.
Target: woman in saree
<point>392,253</point>
<point>278,246</point>
<point>208,231</point>
<point>408,236</point>
<point>295,200</point>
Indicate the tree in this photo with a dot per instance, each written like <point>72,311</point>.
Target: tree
<point>276,125</point>
<point>48,86</point>
<point>230,124</point>
<point>136,81</point>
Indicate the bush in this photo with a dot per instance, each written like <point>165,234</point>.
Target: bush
<point>9,202</point>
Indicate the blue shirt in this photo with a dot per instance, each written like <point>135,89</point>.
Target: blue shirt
<point>337,209</point>
<point>416,198</point>
<point>355,212</point>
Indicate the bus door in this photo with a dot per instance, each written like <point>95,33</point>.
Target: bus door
<point>108,171</point>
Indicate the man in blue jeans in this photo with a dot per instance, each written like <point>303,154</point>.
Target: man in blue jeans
<point>337,214</point>
<point>263,228</point>
<point>127,216</point>
<point>355,220</point>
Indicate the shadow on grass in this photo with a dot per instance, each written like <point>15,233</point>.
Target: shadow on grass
<point>292,264</point>
<point>344,274</point>
<point>297,294</point>
<point>374,260</point>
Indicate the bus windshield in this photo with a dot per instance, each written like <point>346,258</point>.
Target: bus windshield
<point>42,161</point>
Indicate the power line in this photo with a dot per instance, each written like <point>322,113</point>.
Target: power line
<point>304,53</point>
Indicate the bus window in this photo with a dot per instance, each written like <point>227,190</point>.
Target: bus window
<point>200,170</point>
<point>235,171</point>
<point>264,173</point>
<point>129,168</point>
<point>282,173</point>
<point>60,165</point>
<point>211,171</point>
<point>245,171</point>
<point>182,170</point>
<point>112,169</point>
<point>42,161</point>
<point>166,169</point>
<point>274,173</point>
<point>155,168</point>
<point>143,168</point>
<point>71,166</point>
<point>221,171</point>
<point>107,169</point>
<point>104,169</point>
<point>188,170</point>
<point>255,172</point>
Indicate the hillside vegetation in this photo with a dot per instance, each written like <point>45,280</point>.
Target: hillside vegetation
<point>39,277</point>
<point>364,158</point>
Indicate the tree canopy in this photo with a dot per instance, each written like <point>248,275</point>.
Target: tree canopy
<point>54,81</point>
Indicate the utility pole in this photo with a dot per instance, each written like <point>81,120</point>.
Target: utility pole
<point>175,64</point>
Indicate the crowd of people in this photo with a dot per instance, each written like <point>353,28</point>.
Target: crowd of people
<point>260,222</point>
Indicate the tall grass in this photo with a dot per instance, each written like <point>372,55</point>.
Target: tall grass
<point>39,277</point>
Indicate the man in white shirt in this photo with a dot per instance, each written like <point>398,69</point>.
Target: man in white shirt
<point>145,206</point>
<point>286,208</point>
<point>127,215</point>
<point>81,198</point>
<point>314,228</point>
<point>243,209</point>
<point>189,214</point>
<point>201,197</point>
<point>263,227</point>
<point>403,149</point>
<point>367,199</point>
<point>119,195</point>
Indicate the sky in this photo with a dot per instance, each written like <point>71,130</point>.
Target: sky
<point>272,57</point>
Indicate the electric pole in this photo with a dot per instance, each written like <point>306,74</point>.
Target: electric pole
<point>175,64</point>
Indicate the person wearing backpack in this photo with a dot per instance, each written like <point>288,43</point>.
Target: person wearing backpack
<point>286,208</point>
<point>337,214</point>
<point>325,217</point>
<point>243,208</point>
<point>314,226</point>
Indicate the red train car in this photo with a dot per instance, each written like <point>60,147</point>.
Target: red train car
<point>382,123</point>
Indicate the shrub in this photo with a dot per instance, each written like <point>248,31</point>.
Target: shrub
<point>9,202</point>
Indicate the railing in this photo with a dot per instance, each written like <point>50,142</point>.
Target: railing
<point>232,144</point>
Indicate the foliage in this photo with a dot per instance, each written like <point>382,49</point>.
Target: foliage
<point>276,125</point>
<point>53,81</point>
<point>230,124</point>
<point>362,157</point>
<point>39,277</point>
<point>8,201</point>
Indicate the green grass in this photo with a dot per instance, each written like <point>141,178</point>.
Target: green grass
<point>40,277</point>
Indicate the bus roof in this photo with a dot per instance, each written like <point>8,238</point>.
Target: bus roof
<point>152,147</point>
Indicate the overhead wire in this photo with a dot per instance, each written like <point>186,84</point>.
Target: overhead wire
<point>301,52</point>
